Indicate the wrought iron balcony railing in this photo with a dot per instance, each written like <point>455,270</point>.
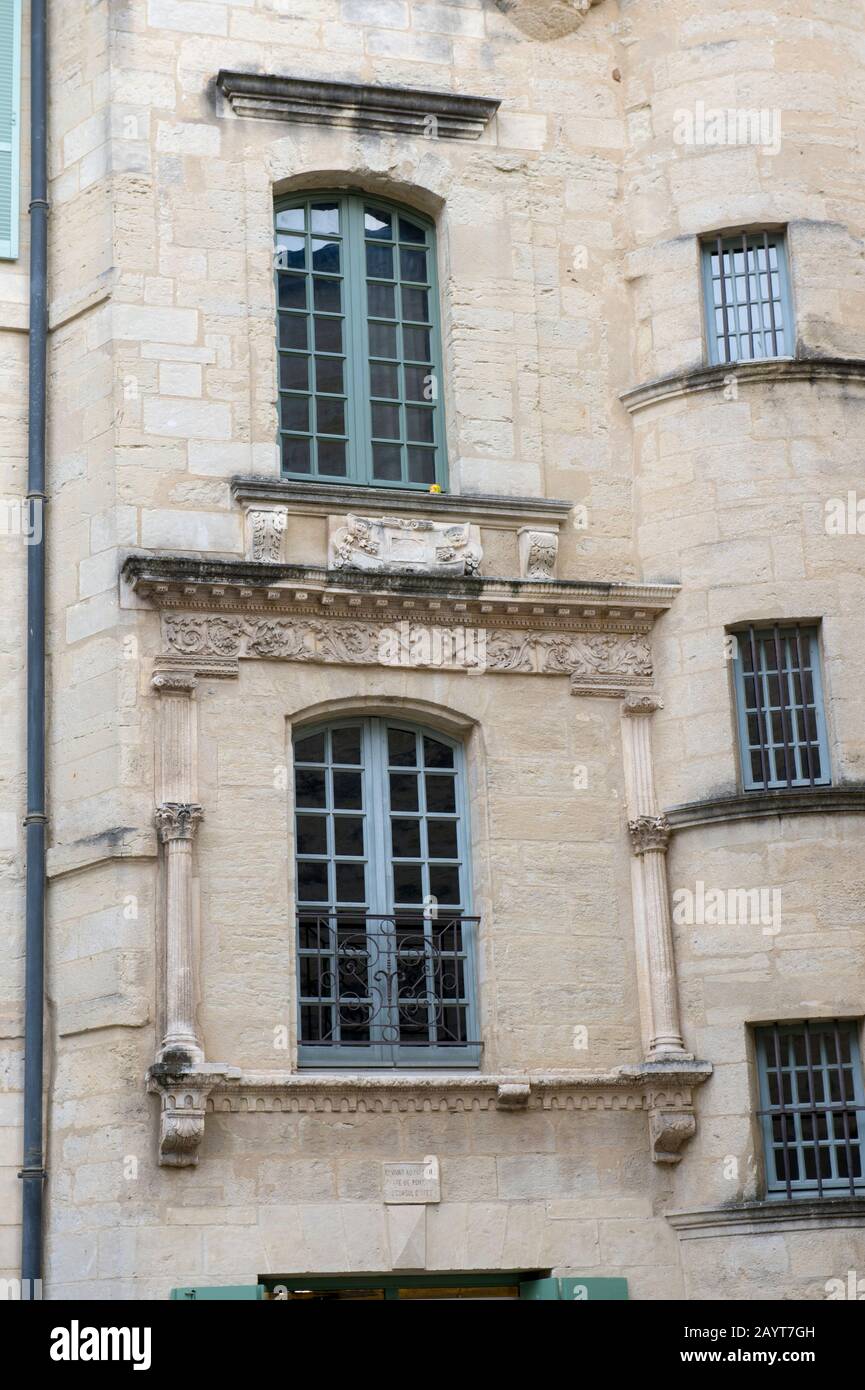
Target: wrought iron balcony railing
<point>386,984</point>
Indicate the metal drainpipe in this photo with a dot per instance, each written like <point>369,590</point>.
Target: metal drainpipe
<point>32,1172</point>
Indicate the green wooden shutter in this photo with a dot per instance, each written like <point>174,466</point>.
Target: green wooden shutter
<point>10,120</point>
<point>212,1291</point>
<point>575,1290</point>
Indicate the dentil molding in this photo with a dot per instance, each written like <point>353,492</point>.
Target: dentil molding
<point>663,1091</point>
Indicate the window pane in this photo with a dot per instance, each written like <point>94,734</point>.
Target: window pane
<point>348,834</point>
<point>292,291</point>
<point>346,745</point>
<point>381,300</point>
<point>347,794</point>
<point>328,335</point>
<point>311,835</point>
<point>416,343</point>
<point>410,231</point>
<point>296,455</point>
<point>310,750</point>
<point>290,220</point>
<point>309,786</point>
<point>325,255</point>
<point>290,252</point>
<point>324,218</point>
<point>293,373</point>
<point>405,838</point>
<point>403,792</point>
<point>387,462</point>
<point>295,412</point>
<point>412,264</point>
<point>329,415</point>
<point>442,839</point>
<point>408,883</point>
<point>379,261</point>
<point>419,423</point>
<point>436,754</point>
<point>292,331</point>
<point>440,793</point>
<point>421,465</point>
<point>444,883</point>
<point>385,421</point>
<point>328,374</point>
<point>384,379</point>
<point>331,457</point>
<point>326,295</point>
<point>312,880</point>
<point>377,223</point>
<point>415,304</point>
<point>401,748</point>
<point>419,385</point>
<point>382,340</point>
<point>350,883</point>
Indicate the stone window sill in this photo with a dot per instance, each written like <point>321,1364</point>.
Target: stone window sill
<point>715,378</point>
<point>756,805</point>
<point>767,1217</point>
<point>322,499</point>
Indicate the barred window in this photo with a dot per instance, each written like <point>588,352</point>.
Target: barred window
<point>358,342</point>
<point>748,304</point>
<point>779,698</point>
<point>812,1108</point>
<point>385,939</point>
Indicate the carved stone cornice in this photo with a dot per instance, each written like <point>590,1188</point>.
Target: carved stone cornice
<point>649,833</point>
<point>177,820</point>
<point>769,371</point>
<point>663,1090</point>
<point>319,101</point>
<point>216,613</point>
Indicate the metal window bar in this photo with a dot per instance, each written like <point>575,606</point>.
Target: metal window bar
<point>791,1114</point>
<point>789,753</point>
<point>748,336</point>
<point>400,979</point>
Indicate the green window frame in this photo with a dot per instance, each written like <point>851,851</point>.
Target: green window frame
<point>780,707</point>
<point>358,342</point>
<point>10,127</point>
<point>385,937</point>
<point>812,1108</point>
<point>748,302</point>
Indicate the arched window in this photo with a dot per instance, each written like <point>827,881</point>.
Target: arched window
<point>359,343</point>
<point>385,940</point>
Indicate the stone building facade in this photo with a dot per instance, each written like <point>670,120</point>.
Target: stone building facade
<point>649,889</point>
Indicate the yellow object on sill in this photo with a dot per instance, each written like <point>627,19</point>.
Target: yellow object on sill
<point>435,487</point>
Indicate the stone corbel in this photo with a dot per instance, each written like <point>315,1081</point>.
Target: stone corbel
<point>669,1130</point>
<point>513,1095</point>
<point>538,553</point>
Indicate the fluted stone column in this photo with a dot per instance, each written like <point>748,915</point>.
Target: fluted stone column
<point>650,833</point>
<point>177,816</point>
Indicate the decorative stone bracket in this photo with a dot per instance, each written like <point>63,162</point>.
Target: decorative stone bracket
<point>663,1091</point>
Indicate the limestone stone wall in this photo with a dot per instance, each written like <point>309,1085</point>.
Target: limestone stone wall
<point>569,269</point>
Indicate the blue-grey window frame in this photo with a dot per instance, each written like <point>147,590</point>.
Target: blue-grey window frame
<point>811,633</point>
<point>708,248</point>
<point>376,800</point>
<point>356,319</point>
<point>776,1187</point>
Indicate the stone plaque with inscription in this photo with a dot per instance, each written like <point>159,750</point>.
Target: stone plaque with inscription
<point>412,1182</point>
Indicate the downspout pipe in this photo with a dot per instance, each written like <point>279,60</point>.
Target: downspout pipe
<point>33,1171</point>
